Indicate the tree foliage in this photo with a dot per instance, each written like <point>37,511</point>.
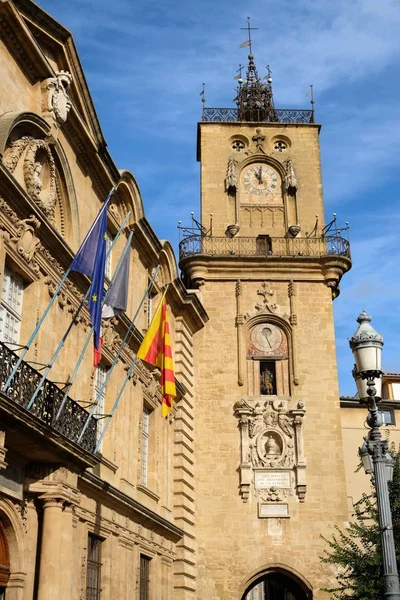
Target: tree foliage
<point>357,551</point>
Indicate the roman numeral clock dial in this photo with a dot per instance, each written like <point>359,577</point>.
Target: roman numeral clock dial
<point>260,184</point>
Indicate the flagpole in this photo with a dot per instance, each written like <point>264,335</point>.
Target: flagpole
<point>50,304</point>
<point>127,378</point>
<point>66,334</point>
<point>78,364</point>
<point>110,370</point>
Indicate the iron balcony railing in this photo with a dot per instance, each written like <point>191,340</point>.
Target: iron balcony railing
<point>25,382</point>
<point>264,245</point>
<point>262,115</point>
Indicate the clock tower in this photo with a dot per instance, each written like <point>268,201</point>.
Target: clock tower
<point>268,460</point>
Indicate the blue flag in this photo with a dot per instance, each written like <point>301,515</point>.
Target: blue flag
<point>97,287</point>
<point>85,258</point>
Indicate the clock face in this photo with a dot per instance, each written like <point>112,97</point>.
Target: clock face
<point>260,180</point>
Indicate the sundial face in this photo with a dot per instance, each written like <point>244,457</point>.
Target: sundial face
<point>267,338</point>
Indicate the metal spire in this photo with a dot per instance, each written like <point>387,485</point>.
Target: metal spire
<point>254,96</point>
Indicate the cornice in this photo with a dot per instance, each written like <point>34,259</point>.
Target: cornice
<point>168,529</point>
<point>326,269</point>
<point>22,44</point>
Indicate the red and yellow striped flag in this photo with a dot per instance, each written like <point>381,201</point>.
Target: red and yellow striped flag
<point>156,350</point>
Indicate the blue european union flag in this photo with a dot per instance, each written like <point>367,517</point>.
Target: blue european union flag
<point>84,261</point>
<point>97,287</point>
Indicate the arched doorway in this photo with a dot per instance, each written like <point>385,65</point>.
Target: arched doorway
<point>4,562</point>
<point>277,585</point>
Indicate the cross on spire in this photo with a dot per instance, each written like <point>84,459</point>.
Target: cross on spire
<point>249,29</point>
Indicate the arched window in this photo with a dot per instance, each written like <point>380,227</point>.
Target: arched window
<point>267,361</point>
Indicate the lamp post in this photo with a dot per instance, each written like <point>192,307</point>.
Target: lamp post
<point>366,345</point>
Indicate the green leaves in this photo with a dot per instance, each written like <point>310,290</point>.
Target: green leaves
<point>356,551</point>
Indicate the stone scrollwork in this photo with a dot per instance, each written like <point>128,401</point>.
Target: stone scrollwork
<point>57,102</point>
<point>271,439</point>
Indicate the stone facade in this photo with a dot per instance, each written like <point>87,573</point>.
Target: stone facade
<point>58,500</point>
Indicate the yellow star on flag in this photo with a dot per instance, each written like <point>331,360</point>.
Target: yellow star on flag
<point>94,298</point>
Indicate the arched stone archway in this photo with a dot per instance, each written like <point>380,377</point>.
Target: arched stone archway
<point>277,583</point>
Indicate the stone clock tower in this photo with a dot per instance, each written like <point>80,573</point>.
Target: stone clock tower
<point>269,466</point>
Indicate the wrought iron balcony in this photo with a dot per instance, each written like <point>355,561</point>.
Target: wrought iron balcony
<point>262,115</point>
<point>47,402</point>
<point>263,245</point>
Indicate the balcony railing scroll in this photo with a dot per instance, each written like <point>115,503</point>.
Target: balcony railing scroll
<point>47,403</point>
<point>263,245</point>
<point>262,115</point>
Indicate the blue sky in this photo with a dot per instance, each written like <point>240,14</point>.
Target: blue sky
<point>145,62</point>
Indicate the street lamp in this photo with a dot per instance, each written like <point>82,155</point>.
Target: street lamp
<point>366,345</point>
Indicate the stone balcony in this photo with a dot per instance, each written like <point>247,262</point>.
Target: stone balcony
<point>201,255</point>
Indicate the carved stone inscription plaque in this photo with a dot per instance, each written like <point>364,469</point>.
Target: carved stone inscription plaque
<point>273,510</point>
<point>267,479</point>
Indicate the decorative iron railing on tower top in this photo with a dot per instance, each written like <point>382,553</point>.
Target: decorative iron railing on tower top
<point>262,115</point>
<point>47,402</point>
<point>264,245</point>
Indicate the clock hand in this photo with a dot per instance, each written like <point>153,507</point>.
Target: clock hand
<point>260,176</point>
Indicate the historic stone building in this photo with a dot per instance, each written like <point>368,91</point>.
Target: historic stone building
<point>73,522</point>
<point>228,497</point>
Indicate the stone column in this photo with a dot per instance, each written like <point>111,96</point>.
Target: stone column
<point>55,570</point>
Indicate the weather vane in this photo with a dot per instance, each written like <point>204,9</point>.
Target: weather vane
<point>249,29</point>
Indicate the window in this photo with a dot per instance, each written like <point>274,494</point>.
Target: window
<point>99,379</point>
<point>11,308</point>
<point>93,573</point>
<point>145,446</point>
<point>108,266</point>
<point>396,391</point>
<point>387,416</point>
<point>144,577</point>
<point>267,378</point>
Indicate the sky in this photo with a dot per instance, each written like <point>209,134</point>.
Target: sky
<point>145,62</point>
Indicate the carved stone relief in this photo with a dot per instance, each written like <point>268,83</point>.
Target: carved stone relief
<point>291,180</point>
<point>271,441</point>
<point>231,179</point>
<point>56,101</point>
<point>39,171</point>
<point>26,241</point>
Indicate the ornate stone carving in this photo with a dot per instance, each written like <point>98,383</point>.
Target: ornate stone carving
<point>26,240</point>
<point>39,171</point>
<point>57,102</point>
<point>111,339</point>
<point>231,179</point>
<point>267,305</point>
<point>40,176</point>
<point>291,181</point>
<point>271,439</point>
<point>259,140</point>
